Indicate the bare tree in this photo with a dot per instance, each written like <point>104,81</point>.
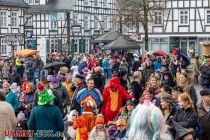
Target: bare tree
<point>139,13</point>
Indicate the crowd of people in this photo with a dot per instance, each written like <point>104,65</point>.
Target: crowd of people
<point>116,96</point>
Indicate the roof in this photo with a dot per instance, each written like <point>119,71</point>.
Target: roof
<point>108,37</point>
<point>122,42</point>
<point>52,5</point>
<point>13,3</point>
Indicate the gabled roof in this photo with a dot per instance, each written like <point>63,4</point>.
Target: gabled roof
<point>13,3</point>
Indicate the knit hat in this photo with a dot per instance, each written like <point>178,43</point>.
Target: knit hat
<point>178,88</point>
<point>205,92</point>
<point>24,84</point>
<point>167,98</point>
<point>121,121</point>
<point>99,119</point>
<point>197,55</point>
<point>132,101</point>
<point>44,96</point>
<point>54,79</point>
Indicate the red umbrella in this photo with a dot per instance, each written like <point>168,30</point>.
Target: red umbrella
<point>160,53</point>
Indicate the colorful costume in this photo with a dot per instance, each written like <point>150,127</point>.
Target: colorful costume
<point>113,100</point>
<point>79,126</point>
<point>89,101</point>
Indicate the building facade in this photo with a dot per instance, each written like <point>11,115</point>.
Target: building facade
<point>183,24</point>
<point>47,20</point>
<point>11,25</point>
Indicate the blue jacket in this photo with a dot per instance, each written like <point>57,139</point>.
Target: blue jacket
<point>12,99</point>
<point>120,135</point>
<point>105,64</point>
<point>157,64</point>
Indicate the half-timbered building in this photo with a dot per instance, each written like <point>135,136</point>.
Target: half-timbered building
<point>11,25</point>
<point>48,20</point>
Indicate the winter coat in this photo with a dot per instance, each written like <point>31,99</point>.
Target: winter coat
<point>204,121</point>
<point>74,104</point>
<point>99,80</point>
<point>82,66</point>
<point>136,65</point>
<point>157,64</point>
<point>124,83</point>
<point>15,79</point>
<point>196,66</point>
<point>171,115</point>
<point>173,67</point>
<point>28,100</point>
<point>105,64</point>
<point>187,118</point>
<point>7,117</point>
<point>63,94</point>
<point>120,135</point>
<point>47,117</point>
<point>6,71</point>
<point>12,99</point>
<point>101,134</point>
<point>20,70</point>
<point>205,75</point>
<point>136,89</point>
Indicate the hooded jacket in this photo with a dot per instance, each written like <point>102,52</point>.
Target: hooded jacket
<point>63,93</point>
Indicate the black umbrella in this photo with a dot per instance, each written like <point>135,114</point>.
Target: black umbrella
<point>54,65</point>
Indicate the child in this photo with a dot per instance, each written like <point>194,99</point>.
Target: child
<point>121,129</point>
<point>81,130</point>
<point>69,132</point>
<point>99,132</point>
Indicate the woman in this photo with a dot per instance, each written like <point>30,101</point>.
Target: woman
<point>167,108</point>
<point>46,116</point>
<point>147,124</point>
<point>28,99</point>
<point>153,82</point>
<point>7,116</point>
<point>136,86</point>
<point>185,118</point>
<point>184,82</point>
<point>168,80</point>
<point>123,78</point>
<point>11,97</point>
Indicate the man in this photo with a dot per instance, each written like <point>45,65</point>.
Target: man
<point>67,84</point>
<point>164,71</point>
<point>205,74</point>
<point>99,79</point>
<point>62,74</point>
<point>113,96</point>
<point>79,85</point>
<point>61,90</point>
<point>46,117</point>
<point>11,97</point>
<point>204,114</point>
<point>7,116</point>
<point>176,91</point>
<point>89,99</point>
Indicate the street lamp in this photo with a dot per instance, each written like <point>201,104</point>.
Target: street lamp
<point>11,38</point>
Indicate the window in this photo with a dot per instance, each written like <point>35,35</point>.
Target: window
<point>105,3</point>
<point>85,22</point>
<point>95,2</point>
<point>208,16</point>
<point>53,25</point>
<point>86,2</point>
<point>3,49</point>
<point>158,18</point>
<point>54,45</point>
<point>30,2</point>
<point>3,18</point>
<point>95,23</point>
<point>75,19</point>
<point>13,19</point>
<point>183,17</point>
<point>36,2</point>
<point>29,21</point>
